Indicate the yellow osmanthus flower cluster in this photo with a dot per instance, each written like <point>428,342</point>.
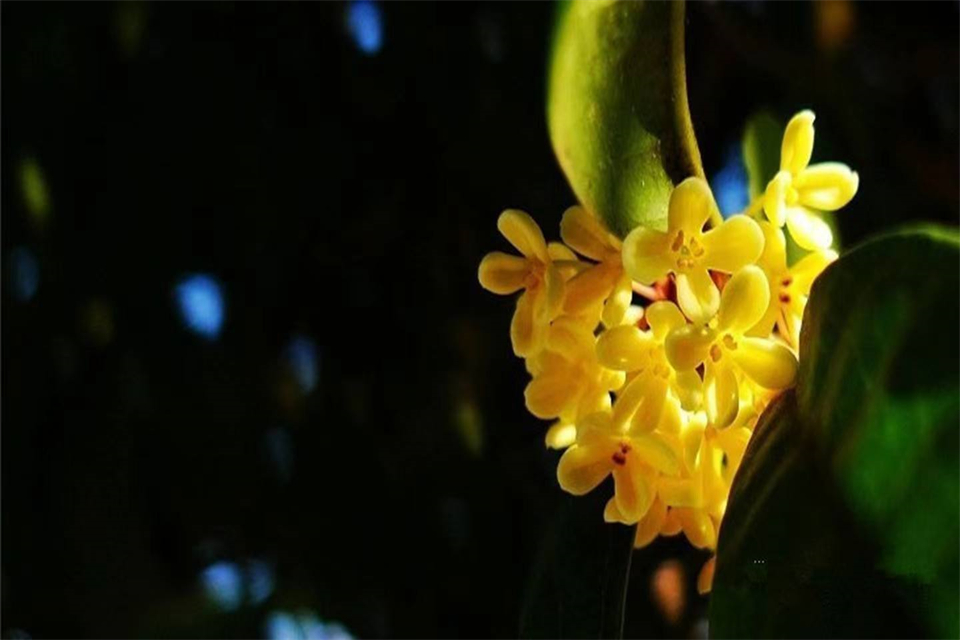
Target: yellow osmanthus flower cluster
<point>664,398</point>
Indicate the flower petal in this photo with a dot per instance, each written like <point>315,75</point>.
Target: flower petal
<point>571,339</point>
<point>649,526</point>
<point>769,364</point>
<point>689,389</point>
<point>583,232</point>
<point>671,524</point>
<point>615,309</point>
<point>551,393</point>
<point>697,295</point>
<point>721,394</point>
<point>691,205</point>
<point>624,348</point>
<point>705,577</point>
<point>827,186</point>
<point>687,346</point>
<point>589,287</point>
<point>775,198</point>
<point>611,513</point>
<point>806,270</point>
<point>553,289</point>
<point>646,255</point>
<point>681,493</point>
<point>633,486</point>
<point>656,452</point>
<point>582,468</point>
<point>502,273</point>
<point>744,301</point>
<point>561,435</point>
<point>650,408</point>
<point>773,260</point>
<point>526,335</point>
<point>641,392</point>
<point>797,144</point>
<point>523,232</point>
<point>735,243</point>
<point>808,229</point>
<point>698,527</point>
<point>560,252</point>
<point>663,317</point>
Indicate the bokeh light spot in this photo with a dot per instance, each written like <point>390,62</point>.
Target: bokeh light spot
<point>365,24</point>
<point>668,587</point>
<point>200,299</point>
<point>36,196</point>
<point>260,581</point>
<point>222,582</point>
<point>730,183</point>
<point>301,356</point>
<point>279,447</point>
<point>281,625</point>
<point>24,273</point>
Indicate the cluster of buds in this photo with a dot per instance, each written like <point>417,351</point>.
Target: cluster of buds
<point>664,395</point>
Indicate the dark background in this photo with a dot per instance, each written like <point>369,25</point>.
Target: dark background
<point>344,200</point>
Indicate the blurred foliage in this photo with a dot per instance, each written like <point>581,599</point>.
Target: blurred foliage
<point>844,519</point>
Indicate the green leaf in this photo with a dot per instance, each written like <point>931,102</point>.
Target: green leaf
<point>844,519</point>
<point>760,146</point>
<point>579,585</point>
<point>617,108</point>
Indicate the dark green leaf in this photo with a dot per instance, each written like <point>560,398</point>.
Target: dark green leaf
<point>579,585</point>
<point>617,108</point>
<point>844,519</point>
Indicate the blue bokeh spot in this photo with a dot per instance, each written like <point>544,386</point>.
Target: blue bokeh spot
<point>365,24</point>
<point>730,183</point>
<point>200,299</point>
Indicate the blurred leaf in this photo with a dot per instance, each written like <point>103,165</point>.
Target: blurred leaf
<point>762,136</point>
<point>844,519</point>
<point>617,108</point>
<point>579,585</point>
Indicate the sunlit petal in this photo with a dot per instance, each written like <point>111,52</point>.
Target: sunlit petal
<point>526,335</point>
<point>624,348</point>
<point>808,229</point>
<point>589,287</point>
<point>797,144</point>
<point>611,513</point>
<point>649,526</point>
<point>646,255</point>
<point>550,393</point>
<point>553,293</point>
<point>560,252</point>
<point>676,492</point>
<point>698,528</point>
<point>827,186</point>
<point>770,364</point>
<point>584,233</point>
<point>691,205</point>
<point>656,452</point>
<point>663,317</point>
<point>687,346</point>
<point>522,232</point>
<point>697,295</point>
<point>775,198</point>
<point>721,394</point>
<point>735,243</point>
<point>561,435</point>
<point>689,389</point>
<point>633,487</point>
<point>582,468</point>
<point>570,338</point>
<point>650,408</point>
<point>502,273</point>
<point>808,268</point>
<point>744,301</point>
<point>615,309</point>
<point>773,260</point>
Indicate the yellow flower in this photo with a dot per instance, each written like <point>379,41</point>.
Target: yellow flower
<point>789,287</point>
<point>634,459</point>
<point>641,353</point>
<point>534,272</point>
<point>602,283</point>
<point>687,252</point>
<point>568,380</point>
<point>727,353</point>
<point>798,190</point>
